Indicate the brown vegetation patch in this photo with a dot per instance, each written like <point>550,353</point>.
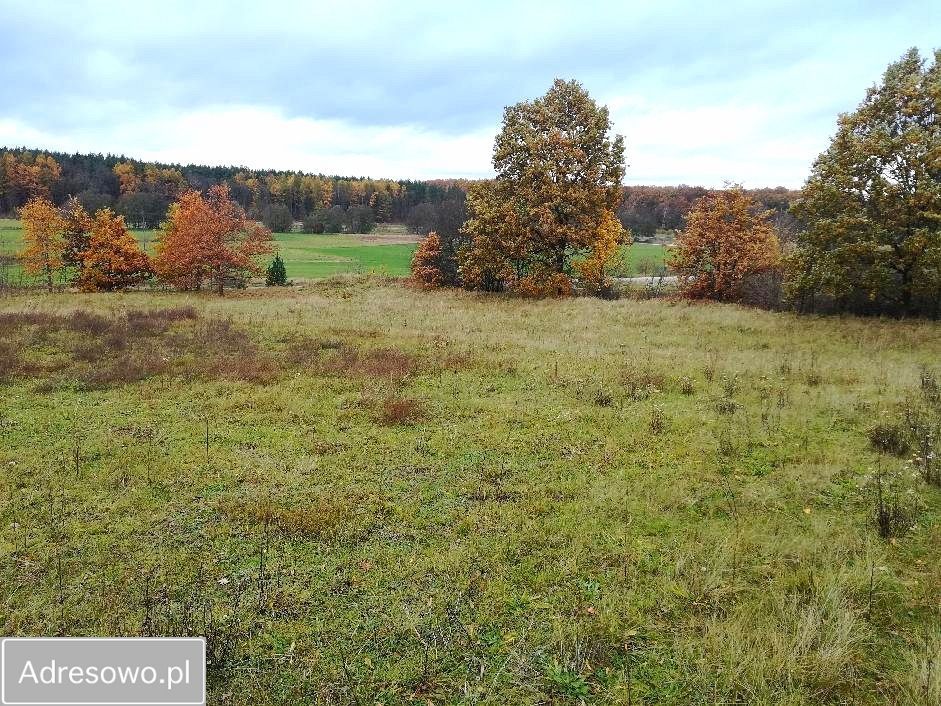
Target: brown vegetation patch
<point>401,410</point>
<point>157,321</point>
<point>307,351</point>
<point>11,363</point>
<point>458,361</point>
<point>11,320</point>
<point>122,370</point>
<point>333,357</point>
<point>253,367</point>
<point>99,351</point>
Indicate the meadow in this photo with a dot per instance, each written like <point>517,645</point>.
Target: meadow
<point>309,256</point>
<point>361,493</point>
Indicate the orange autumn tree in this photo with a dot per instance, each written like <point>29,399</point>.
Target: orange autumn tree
<point>426,262</point>
<point>112,259</point>
<point>727,241</point>
<point>43,239</point>
<point>209,240</point>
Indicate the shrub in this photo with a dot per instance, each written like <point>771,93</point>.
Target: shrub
<point>276,275</point>
<point>313,223</point>
<point>426,263</point>
<point>888,438</point>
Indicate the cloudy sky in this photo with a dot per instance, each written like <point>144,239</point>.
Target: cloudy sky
<point>704,92</point>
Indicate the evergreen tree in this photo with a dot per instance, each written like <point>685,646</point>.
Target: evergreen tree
<point>276,276</point>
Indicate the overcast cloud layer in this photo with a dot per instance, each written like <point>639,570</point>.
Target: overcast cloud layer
<point>703,92</point>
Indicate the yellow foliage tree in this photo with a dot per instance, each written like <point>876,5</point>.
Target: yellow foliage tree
<point>113,259</point>
<point>128,177</point>
<point>43,239</point>
<point>78,225</point>
<point>594,270</point>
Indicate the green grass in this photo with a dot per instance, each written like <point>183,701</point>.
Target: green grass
<point>644,258</point>
<point>317,256</point>
<point>457,498</point>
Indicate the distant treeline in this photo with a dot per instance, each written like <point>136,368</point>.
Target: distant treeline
<point>142,192</point>
<point>647,209</point>
<point>644,211</point>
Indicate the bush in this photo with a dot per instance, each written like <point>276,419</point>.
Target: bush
<point>889,439</point>
<point>362,219</point>
<point>426,263</point>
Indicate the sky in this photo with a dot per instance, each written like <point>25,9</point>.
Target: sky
<point>704,92</point>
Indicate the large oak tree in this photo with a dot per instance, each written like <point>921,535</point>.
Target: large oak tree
<point>871,208</point>
<point>557,185</point>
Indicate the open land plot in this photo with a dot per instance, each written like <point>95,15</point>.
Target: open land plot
<point>361,493</point>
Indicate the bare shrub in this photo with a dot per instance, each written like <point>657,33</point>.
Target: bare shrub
<point>896,503</point>
<point>641,383</point>
<point>657,420</point>
<point>726,405</point>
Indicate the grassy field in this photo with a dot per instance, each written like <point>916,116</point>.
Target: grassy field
<point>365,494</point>
<point>318,256</point>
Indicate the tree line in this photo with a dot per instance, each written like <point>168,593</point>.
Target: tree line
<point>862,236</point>
<point>142,192</point>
